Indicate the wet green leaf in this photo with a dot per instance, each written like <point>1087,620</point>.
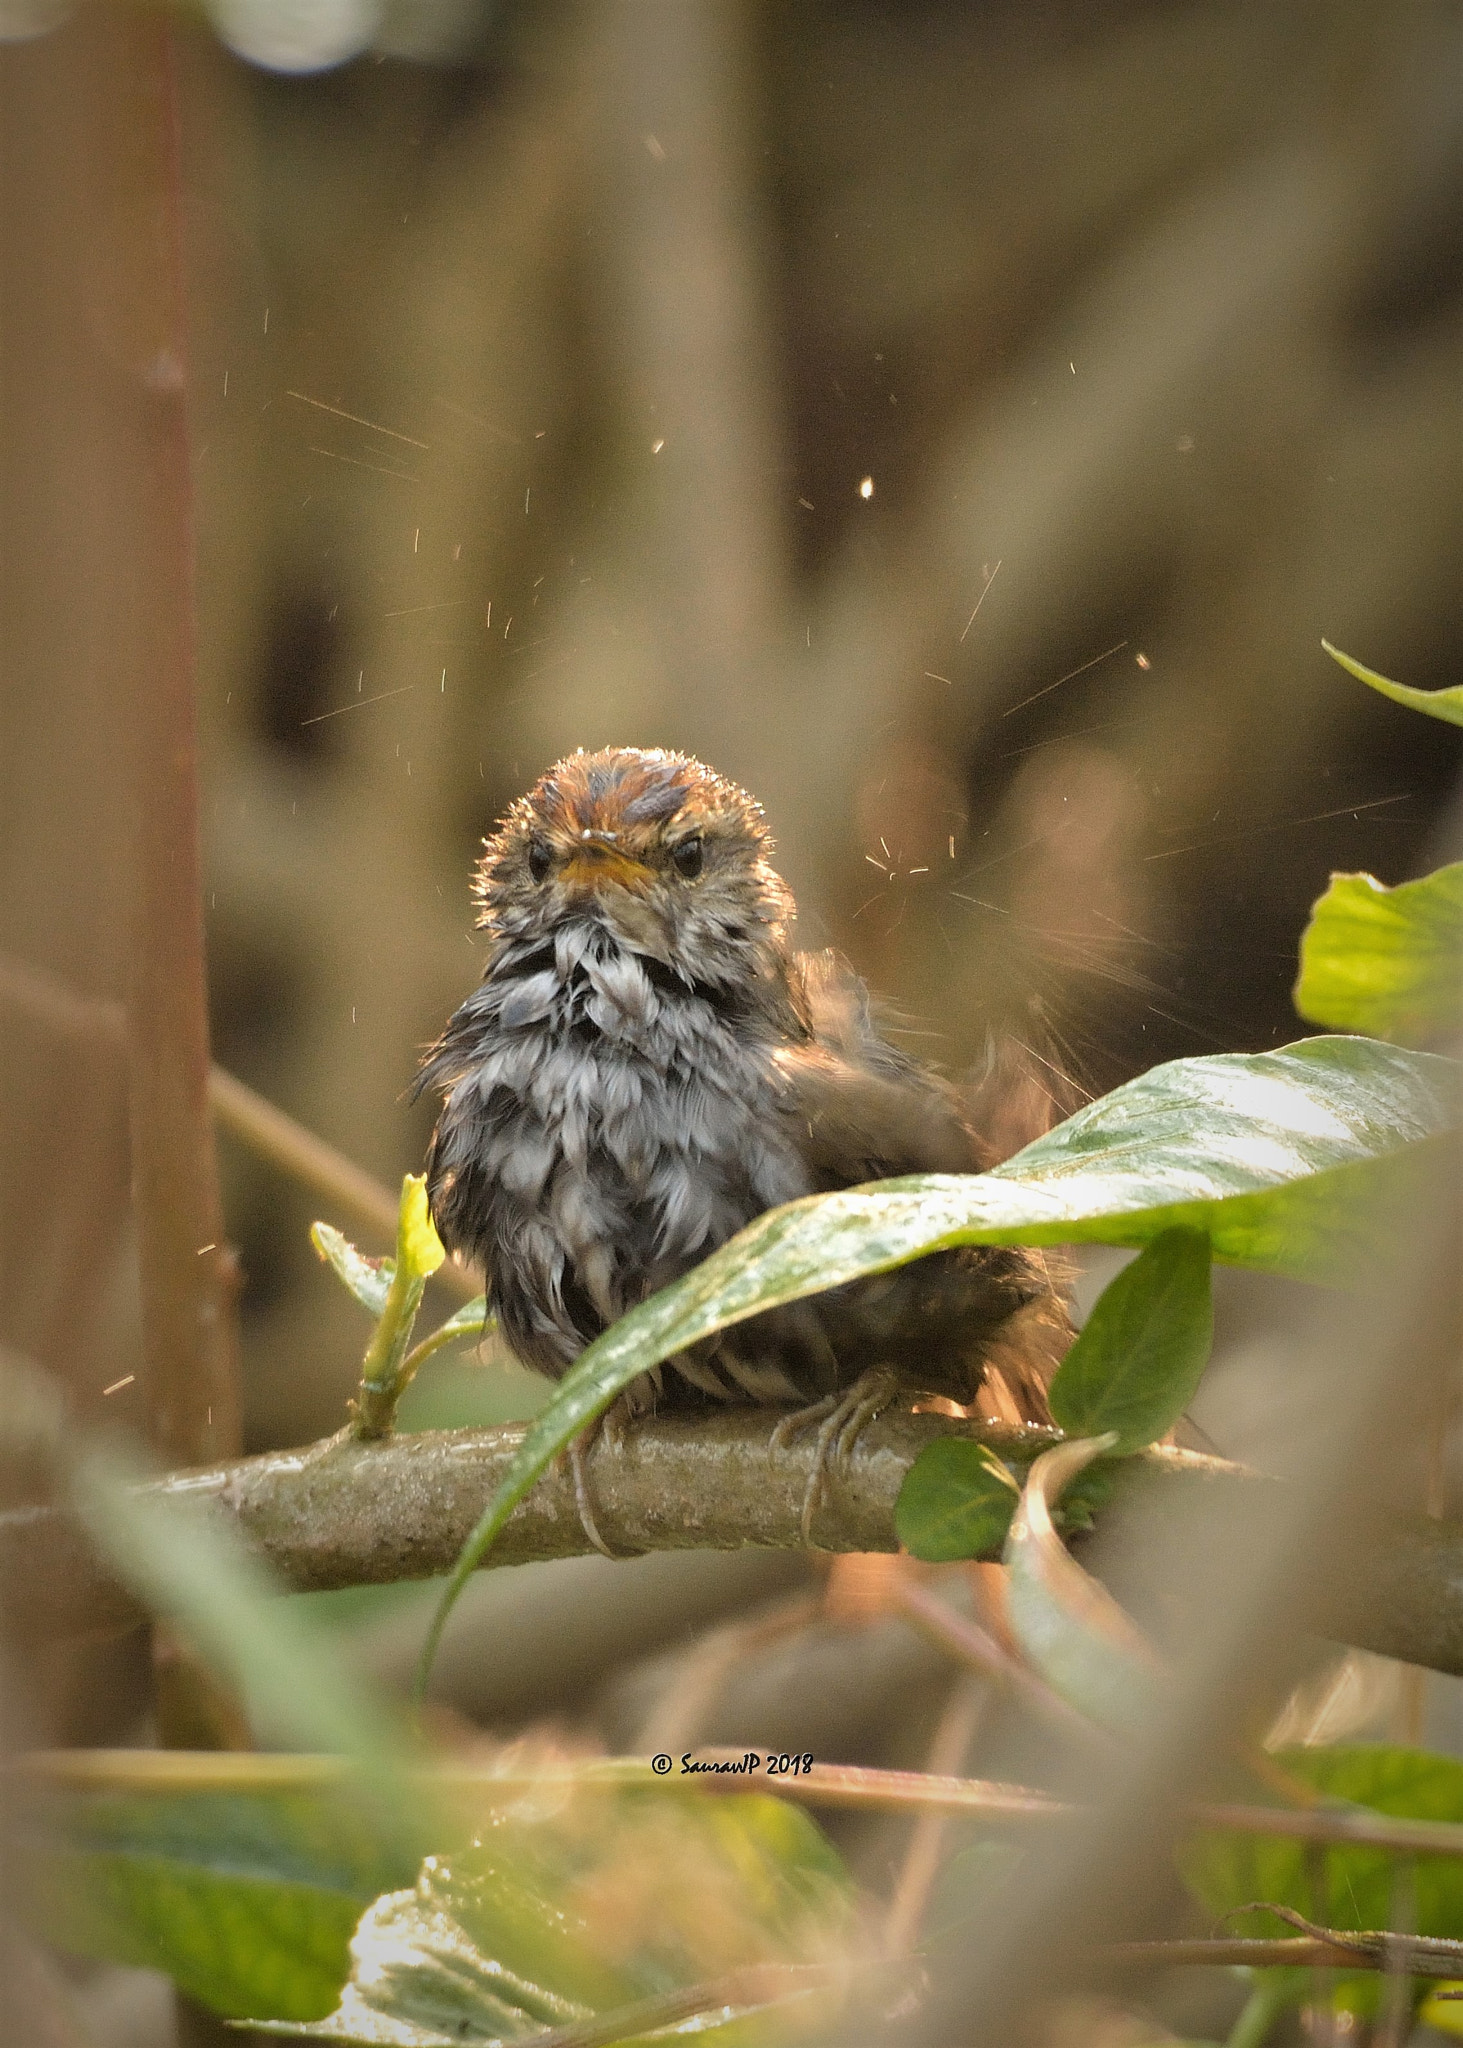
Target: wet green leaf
<point>367,1279</point>
<point>1285,1160</point>
<point>957,1501</point>
<point>1140,1355</point>
<point>1386,961</point>
<point>566,1910</point>
<point>1444,704</point>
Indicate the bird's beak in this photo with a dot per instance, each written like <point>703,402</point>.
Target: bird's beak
<point>596,862</point>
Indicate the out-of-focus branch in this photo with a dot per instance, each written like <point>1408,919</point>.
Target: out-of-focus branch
<point>189,1277</point>
<point>708,1664</point>
<point>189,1280</point>
<point>921,1865</point>
<point>687,326</point>
<point>267,1130</point>
<point>240,1110</point>
<point>851,1788</point>
<point>976,1648</point>
<point>345,1514</point>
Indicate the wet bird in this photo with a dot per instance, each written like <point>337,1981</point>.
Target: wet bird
<point>646,1065</point>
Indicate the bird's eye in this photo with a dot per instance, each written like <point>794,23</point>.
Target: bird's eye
<point>540,860</point>
<point>687,858</point>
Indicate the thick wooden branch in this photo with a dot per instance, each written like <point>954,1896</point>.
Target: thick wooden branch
<point>348,1514</point>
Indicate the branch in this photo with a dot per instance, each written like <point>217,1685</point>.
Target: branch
<point>96,1024</point>
<point>189,1279</point>
<point>349,1514</point>
<point>850,1788</point>
<point>286,1144</point>
<point>1296,1952</point>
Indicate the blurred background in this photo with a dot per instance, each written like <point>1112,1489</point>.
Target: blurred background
<point>959,423</point>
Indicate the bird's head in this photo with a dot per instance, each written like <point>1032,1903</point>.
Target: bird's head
<point>669,857</point>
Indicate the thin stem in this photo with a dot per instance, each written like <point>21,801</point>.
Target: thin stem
<point>444,1339</point>
<point>1261,2010</point>
<point>979,1650</point>
<point>921,1864</point>
<point>384,1370</point>
<point>1328,1948</point>
<point>389,1366</point>
<point>851,1786</point>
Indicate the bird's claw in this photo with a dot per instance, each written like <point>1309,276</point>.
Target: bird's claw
<point>841,1419</point>
<point>875,1390</point>
<point>799,1419</point>
<point>575,1455</point>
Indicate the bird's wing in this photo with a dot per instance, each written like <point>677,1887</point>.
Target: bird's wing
<point>852,1125</point>
<point>846,1018</point>
<point>864,1110</point>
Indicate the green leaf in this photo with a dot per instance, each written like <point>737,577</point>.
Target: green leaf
<point>228,1896</point>
<point>958,1498</point>
<point>190,1565</point>
<point>1342,1887</point>
<point>367,1279</point>
<point>1386,961</point>
<point>1444,704</point>
<point>419,1250</point>
<point>1283,1159</point>
<point>389,1365</point>
<point>243,1877</point>
<point>1139,1357</point>
<point>957,1501</point>
<point>576,1909</point>
<point>1354,1887</point>
<point>245,1893</point>
<point>469,1326</point>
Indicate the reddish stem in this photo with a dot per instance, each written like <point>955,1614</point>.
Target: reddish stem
<point>187,1273</point>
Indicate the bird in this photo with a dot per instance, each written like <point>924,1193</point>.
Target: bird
<point>647,1064</point>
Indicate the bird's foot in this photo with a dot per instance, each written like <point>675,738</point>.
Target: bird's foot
<point>841,1420</point>
<point>574,1453</point>
<point>797,1419</point>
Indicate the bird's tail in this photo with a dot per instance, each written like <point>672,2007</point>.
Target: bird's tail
<point>1028,1348</point>
<point>1016,1094</point>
